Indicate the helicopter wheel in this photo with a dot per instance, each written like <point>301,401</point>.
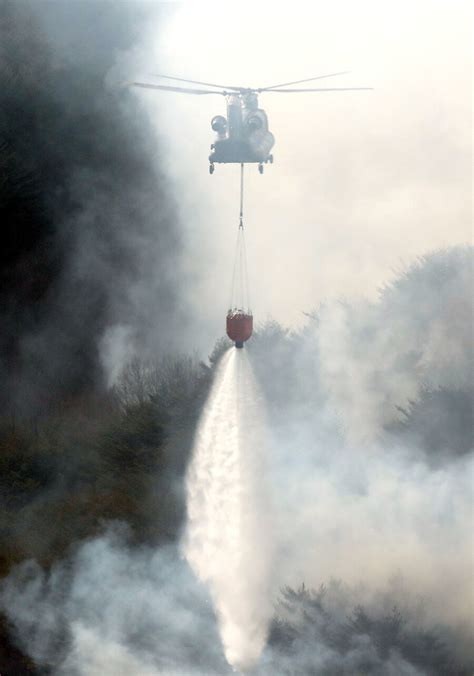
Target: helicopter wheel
<point>260,168</point>
<point>270,159</point>
<point>211,168</point>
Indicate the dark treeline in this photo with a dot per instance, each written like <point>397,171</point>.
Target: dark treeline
<point>308,630</point>
<point>119,455</point>
<point>116,456</point>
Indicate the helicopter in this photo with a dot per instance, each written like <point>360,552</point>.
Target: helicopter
<point>243,136</point>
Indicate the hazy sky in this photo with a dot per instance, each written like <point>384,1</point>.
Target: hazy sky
<point>362,183</point>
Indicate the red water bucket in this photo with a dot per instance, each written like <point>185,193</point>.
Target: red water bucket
<point>239,326</point>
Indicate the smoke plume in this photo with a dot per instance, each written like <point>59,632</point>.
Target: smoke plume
<point>90,239</point>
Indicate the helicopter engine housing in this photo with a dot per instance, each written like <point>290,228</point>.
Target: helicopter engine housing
<point>254,123</point>
<point>260,140</point>
<point>219,125</point>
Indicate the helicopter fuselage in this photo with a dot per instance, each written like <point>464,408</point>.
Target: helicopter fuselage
<point>244,136</point>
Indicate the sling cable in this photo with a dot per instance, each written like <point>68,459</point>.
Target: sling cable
<point>239,321</point>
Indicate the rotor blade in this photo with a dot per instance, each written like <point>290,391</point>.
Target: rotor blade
<point>180,90</point>
<point>207,84</point>
<point>309,79</point>
<point>325,89</point>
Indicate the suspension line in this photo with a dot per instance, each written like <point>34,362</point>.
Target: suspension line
<point>240,296</point>
<point>241,221</point>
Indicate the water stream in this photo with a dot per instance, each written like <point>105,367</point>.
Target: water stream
<point>228,541</point>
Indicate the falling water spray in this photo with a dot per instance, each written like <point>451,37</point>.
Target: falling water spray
<point>228,541</point>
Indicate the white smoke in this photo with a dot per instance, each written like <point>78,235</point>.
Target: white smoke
<point>359,501</point>
<point>228,543</point>
<point>114,609</point>
<point>376,357</point>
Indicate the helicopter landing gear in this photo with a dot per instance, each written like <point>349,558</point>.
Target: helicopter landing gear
<point>211,168</point>
<point>270,159</point>
<point>260,167</point>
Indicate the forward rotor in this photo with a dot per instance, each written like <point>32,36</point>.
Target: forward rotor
<point>227,90</point>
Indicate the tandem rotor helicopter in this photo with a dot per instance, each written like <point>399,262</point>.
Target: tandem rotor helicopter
<point>243,137</point>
